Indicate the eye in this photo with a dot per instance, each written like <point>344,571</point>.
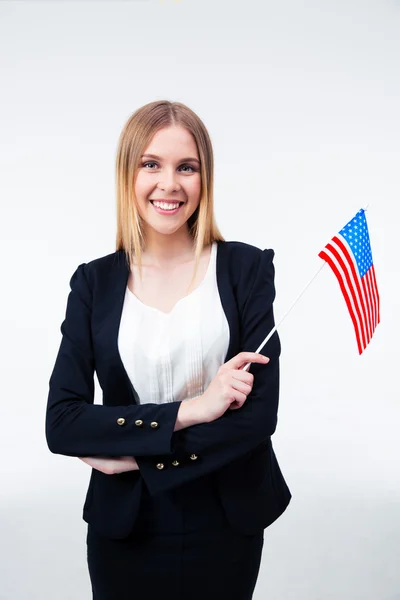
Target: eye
<point>154,163</point>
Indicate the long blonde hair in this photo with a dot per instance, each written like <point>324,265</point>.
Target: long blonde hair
<point>134,138</point>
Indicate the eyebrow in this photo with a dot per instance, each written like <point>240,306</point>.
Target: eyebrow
<point>189,158</point>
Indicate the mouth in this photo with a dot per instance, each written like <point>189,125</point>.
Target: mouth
<point>167,211</point>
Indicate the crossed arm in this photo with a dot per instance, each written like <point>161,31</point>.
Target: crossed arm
<point>113,465</point>
<point>186,417</point>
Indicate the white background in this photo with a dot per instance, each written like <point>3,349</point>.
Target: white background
<point>301,100</point>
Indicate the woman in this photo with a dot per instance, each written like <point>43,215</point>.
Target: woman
<point>184,477</point>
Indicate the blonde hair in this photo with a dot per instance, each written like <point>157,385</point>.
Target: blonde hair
<point>134,139</point>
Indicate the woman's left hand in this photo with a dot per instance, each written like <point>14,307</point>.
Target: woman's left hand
<point>111,465</point>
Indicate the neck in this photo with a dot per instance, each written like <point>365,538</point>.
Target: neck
<point>162,249</point>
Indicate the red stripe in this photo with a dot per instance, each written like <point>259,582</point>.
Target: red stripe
<point>357,279</point>
<point>350,284</point>
<point>332,265</point>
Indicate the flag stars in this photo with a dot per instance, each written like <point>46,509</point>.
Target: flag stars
<point>356,236</point>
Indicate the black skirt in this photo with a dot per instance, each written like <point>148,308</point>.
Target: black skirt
<point>182,547</point>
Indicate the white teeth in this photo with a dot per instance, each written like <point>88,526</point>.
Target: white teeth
<point>166,206</point>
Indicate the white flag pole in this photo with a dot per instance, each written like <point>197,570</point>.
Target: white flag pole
<point>261,346</point>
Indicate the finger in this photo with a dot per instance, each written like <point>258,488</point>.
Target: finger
<point>236,404</point>
<point>241,386</point>
<point>247,357</point>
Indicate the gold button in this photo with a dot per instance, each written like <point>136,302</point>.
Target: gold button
<point>121,421</point>
<point>160,466</point>
<point>154,424</point>
<point>139,423</point>
<point>193,457</point>
<point>175,463</point>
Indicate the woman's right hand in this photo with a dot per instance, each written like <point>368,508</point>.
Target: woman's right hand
<point>229,388</point>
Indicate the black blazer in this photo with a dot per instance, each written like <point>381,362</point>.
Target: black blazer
<point>236,448</point>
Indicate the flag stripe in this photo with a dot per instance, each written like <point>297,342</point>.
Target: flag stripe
<point>365,295</point>
<point>377,293</point>
<point>341,267</point>
<point>342,243</point>
<point>372,297</point>
<point>358,289</point>
<point>354,284</point>
<point>369,306</point>
<point>345,272</point>
<point>340,279</point>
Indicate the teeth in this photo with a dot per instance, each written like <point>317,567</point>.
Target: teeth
<point>166,206</point>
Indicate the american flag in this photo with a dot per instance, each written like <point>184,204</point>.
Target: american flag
<point>350,258</point>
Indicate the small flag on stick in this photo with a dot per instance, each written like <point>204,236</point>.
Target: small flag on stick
<point>350,258</point>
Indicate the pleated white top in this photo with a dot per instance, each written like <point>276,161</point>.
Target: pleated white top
<point>174,356</point>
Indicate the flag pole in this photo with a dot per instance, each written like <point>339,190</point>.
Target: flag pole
<point>261,346</point>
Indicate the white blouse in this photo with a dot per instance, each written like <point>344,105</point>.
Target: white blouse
<point>174,356</point>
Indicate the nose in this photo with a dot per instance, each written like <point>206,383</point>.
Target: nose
<point>168,180</point>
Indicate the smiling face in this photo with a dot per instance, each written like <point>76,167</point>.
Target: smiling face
<point>169,170</point>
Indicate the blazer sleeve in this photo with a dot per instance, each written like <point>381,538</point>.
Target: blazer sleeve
<point>201,449</point>
<point>74,425</point>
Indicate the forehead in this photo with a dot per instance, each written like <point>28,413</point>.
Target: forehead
<point>172,142</point>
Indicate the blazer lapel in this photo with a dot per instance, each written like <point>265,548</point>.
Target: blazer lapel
<point>226,294</point>
<point>108,303</point>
